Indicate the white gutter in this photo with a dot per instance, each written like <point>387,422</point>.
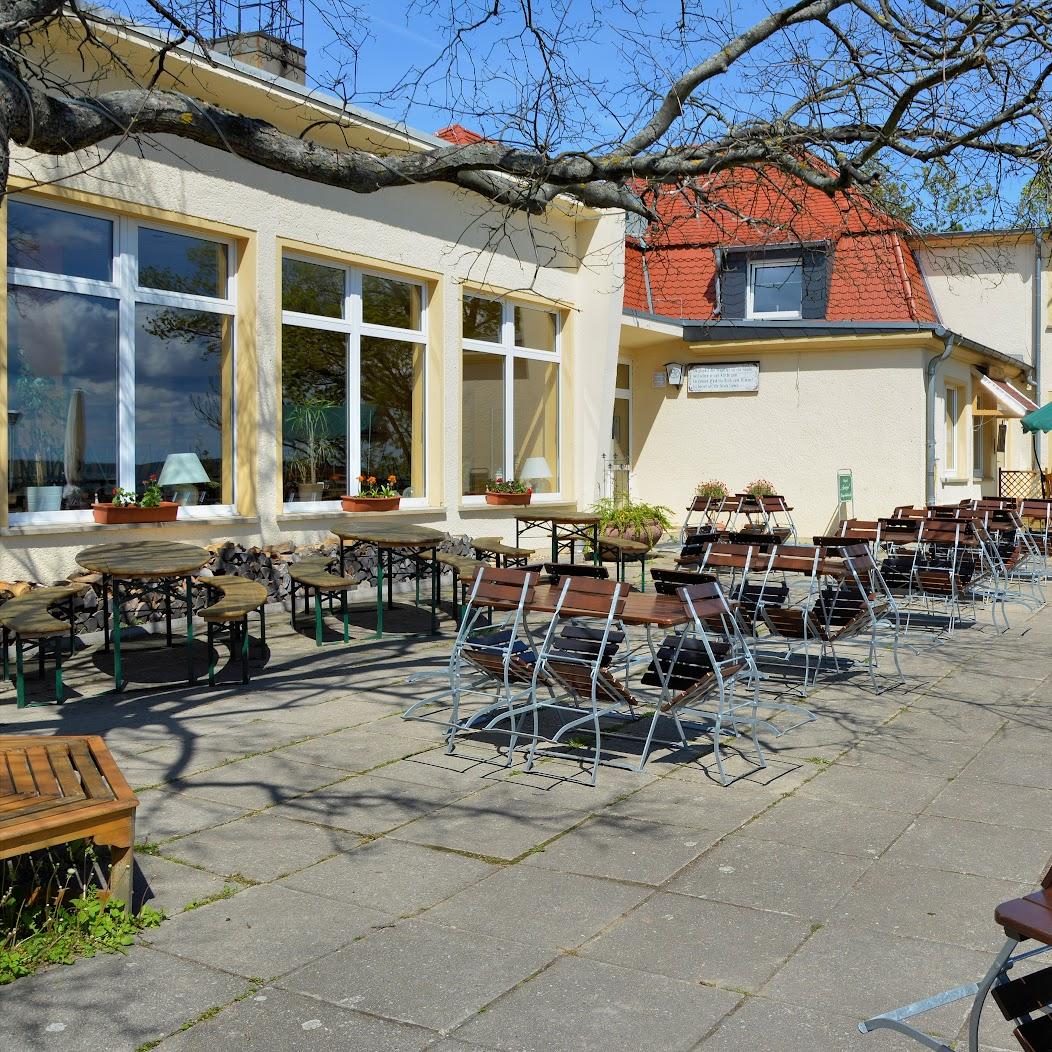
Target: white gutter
<point>931,372</point>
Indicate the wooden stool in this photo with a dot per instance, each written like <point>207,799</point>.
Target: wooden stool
<point>54,790</point>
<point>313,574</point>
<point>28,617</point>
<point>232,599</point>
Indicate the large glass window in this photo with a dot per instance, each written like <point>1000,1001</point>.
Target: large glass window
<point>951,439</point>
<point>120,353</point>
<point>775,289</point>
<point>510,398</point>
<point>343,377</point>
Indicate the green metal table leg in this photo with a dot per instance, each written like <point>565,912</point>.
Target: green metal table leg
<point>211,653</point>
<point>20,677</point>
<point>6,644</point>
<point>190,677</point>
<point>346,617</point>
<point>317,617</point>
<point>118,678</point>
<point>379,592</point>
<point>59,695</point>
<point>642,573</point>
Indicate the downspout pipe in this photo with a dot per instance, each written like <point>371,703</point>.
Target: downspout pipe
<point>1036,339</point>
<point>932,371</point>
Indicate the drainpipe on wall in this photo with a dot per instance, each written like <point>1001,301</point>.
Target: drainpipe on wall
<point>932,371</point>
<point>1038,331</point>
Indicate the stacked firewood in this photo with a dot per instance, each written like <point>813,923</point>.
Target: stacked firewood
<point>268,564</point>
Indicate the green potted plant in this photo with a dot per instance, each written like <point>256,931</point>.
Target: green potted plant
<point>759,488</point>
<point>308,423</point>
<point>713,491</point>
<point>126,507</point>
<point>373,495</point>
<point>632,520</point>
<point>506,492</point>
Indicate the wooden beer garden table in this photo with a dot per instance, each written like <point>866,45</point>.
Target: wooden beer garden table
<point>405,541</point>
<point>155,564</point>
<point>564,529</point>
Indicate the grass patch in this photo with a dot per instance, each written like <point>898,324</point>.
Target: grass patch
<point>52,911</point>
<point>228,892</point>
<point>819,761</point>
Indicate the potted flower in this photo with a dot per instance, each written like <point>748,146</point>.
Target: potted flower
<point>373,495</point>
<point>632,520</point>
<point>759,488</point>
<point>125,507</point>
<point>504,492</point>
<point>713,491</point>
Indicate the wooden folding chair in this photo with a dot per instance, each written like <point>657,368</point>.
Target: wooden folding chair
<point>1025,1001</point>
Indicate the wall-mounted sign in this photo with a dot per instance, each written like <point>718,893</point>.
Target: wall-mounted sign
<point>716,377</point>
<point>845,485</point>
<point>659,378</point>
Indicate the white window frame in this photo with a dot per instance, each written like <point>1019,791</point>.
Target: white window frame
<point>124,288</point>
<point>952,440</point>
<point>979,445</point>
<point>510,352</point>
<point>756,264</point>
<point>354,328</point>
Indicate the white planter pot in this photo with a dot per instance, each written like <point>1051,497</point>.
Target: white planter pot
<point>43,498</point>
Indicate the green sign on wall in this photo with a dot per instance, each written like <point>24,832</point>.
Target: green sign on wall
<point>845,485</point>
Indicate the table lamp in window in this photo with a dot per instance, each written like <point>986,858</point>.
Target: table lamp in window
<point>535,470</point>
<point>184,473</point>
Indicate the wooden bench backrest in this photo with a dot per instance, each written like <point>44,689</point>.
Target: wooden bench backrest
<point>503,587</point>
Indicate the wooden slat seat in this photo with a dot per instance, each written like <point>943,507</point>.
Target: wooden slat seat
<point>496,547</point>
<point>57,789</point>
<point>1029,916</point>
<point>232,599</point>
<point>313,574</point>
<point>28,617</point>
<point>463,566</point>
<point>238,597</point>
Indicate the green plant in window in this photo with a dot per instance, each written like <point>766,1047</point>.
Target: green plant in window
<point>309,433</point>
<point>371,486</point>
<point>503,485</point>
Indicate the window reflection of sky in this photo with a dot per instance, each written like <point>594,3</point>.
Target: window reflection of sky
<point>58,242</point>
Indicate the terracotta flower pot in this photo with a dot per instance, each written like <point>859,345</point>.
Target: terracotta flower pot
<point>648,535</point>
<point>504,500</point>
<point>351,503</point>
<point>116,514</point>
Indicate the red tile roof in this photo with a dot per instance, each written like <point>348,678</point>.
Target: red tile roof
<point>875,276</point>
<point>458,135</point>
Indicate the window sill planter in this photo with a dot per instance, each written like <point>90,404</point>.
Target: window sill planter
<point>350,503</point>
<point>504,500</point>
<point>117,514</point>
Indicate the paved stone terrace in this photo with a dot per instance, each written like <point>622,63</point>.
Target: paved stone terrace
<point>334,881</point>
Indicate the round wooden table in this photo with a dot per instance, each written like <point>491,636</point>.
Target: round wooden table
<point>154,561</point>
<point>391,539</point>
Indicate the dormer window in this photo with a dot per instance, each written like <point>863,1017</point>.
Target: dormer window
<point>775,289</point>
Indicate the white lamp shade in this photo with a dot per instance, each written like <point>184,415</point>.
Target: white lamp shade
<point>535,468</point>
<point>182,469</point>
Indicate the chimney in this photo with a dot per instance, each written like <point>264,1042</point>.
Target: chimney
<point>267,52</point>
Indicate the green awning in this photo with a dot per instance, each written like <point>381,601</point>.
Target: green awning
<point>1039,419</point>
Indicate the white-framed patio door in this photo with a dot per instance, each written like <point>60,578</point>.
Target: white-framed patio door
<point>620,454</point>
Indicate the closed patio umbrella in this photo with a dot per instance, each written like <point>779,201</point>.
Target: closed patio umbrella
<point>1038,420</point>
<point>76,439</point>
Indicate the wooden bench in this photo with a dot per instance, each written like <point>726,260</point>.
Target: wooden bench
<point>505,556</point>
<point>54,790</point>
<point>28,617</point>
<point>231,600</point>
<point>621,551</point>
<point>465,570</point>
<point>313,574</point>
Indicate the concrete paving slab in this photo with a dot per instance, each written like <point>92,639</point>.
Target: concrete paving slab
<point>1023,807</point>
<point>358,749</point>
<point>283,1022</point>
<point>734,947</point>
<point>552,909</point>
<point>260,847</point>
<point>903,899</point>
<point>864,973</point>
<point>865,787</point>
<point>775,1027</point>
<point>165,814</point>
<point>625,849</point>
<point>388,875</point>
<point>260,781</point>
<point>172,886</point>
<point>421,973</point>
<point>780,877</point>
<point>579,1004</point>
<point>265,931</point>
<point>114,1002</point>
<point>369,803</point>
<point>986,850</point>
<point>830,826</point>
